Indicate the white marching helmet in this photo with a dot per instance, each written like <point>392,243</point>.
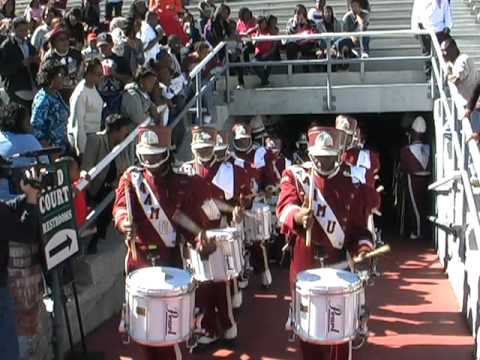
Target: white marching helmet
<point>258,128</point>
<point>302,141</point>
<point>241,132</point>
<point>203,137</point>
<point>325,142</point>
<point>419,125</point>
<point>348,125</point>
<point>221,148</point>
<point>153,140</point>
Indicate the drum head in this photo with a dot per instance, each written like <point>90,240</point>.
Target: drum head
<point>224,233</point>
<point>327,280</point>
<point>160,281</point>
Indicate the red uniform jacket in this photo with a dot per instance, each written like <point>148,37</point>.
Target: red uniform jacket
<point>351,157</point>
<point>276,165</point>
<point>258,162</point>
<point>206,187</point>
<point>415,159</point>
<point>350,203</point>
<point>170,190</point>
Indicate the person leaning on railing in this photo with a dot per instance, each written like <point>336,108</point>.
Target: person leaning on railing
<point>461,74</point>
<point>99,145</point>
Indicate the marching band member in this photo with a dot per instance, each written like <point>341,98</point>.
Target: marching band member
<point>415,162</point>
<point>337,219</point>
<point>213,298</point>
<point>256,162</point>
<point>146,200</point>
<point>300,155</point>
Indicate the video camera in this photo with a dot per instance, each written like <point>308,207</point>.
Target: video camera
<point>36,174</point>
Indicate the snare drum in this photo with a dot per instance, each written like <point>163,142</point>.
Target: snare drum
<point>327,306</point>
<point>225,263</point>
<point>160,303</point>
<point>258,224</point>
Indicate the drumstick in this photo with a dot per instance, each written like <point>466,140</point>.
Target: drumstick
<point>310,205</point>
<point>186,222</point>
<point>130,235</point>
<point>379,251</point>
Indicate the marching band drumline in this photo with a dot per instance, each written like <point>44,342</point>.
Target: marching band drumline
<point>195,233</point>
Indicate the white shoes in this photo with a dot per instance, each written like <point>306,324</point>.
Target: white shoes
<point>206,340</point>
<point>266,278</point>
<point>231,333</point>
<point>242,282</point>
<point>237,299</point>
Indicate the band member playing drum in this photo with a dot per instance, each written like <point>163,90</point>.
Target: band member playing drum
<point>325,214</point>
<point>256,160</point>
<point>216,186</point>
<point>364,163</point>
<point>146,199</point>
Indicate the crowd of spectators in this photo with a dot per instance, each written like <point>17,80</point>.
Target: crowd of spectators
<point>72,71</point>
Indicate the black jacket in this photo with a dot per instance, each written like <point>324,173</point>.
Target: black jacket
<point>16,75</point>
<point>19,223</point>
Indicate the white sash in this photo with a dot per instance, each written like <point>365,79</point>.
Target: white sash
<point>224,179</point>
<point>259,161</point>
<point>358,174</point>
<point>322,211</point>
<point>421,153</point>
<point>364,159</point>
<point>153,210</point>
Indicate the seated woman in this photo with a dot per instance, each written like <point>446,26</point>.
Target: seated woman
<point>264,51</point>
<point>300,25</point>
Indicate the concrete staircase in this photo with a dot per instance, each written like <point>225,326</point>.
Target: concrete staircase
<point>466,27</point>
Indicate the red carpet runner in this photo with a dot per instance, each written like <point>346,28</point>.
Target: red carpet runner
<point>414,315</point>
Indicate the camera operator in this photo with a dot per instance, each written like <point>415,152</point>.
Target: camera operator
<point>20,220</point>
<point>14,139</point>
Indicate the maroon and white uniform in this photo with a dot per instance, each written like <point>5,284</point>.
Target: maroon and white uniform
<point>415,162</point>
<point>154,199</point>
<point>341,210</point>
<point>366,164</point>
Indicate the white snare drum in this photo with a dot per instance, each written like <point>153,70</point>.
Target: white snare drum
<point>225,263</point>
<point>258,224</point>
<point>327,306</point>
<point>160,303</point>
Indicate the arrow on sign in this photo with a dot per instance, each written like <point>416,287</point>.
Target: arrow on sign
<point>60,247</point>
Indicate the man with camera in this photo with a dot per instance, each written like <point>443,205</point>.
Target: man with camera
<point>20,220</point>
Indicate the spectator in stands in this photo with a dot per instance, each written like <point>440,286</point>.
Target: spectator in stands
<point>357,20</point>
<point>274,30</point>
<point>14,138</point>
<point>116,74</point>
<point>332,24</point>
<point>138,10</point>
<point>130,47</point>
<point>91,52</point>
<point>86,107</point>
<point>190,28</point>
<point>235,50</point>
<point>301,25</point>
<point>174,47</point>
<point>113,8</point>
<point>171,24</point>
<point>207,9</point>
<point>74,27</point>
<point>33,13</point>
<point>431,15</point>
<point>7,9</point>
<point>70,57</point>
<point>91,14</point>
<point>19,64</point>
<point>98,146</point>
<point>49,110</point>
<point>19,221</point>
<point>246,23</point>
<point>136,102</point>
<point>151,33</point>
<point>60,4</point>
<point>217,26</point>
<point>174,5</point>
<point>317,15</point>
<point>38,38</point>
<point>264,51</point>
<point>462,75</point>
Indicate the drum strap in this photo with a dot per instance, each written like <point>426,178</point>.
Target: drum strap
<point>153,211</point>
<point>224,179</point>
<point>322,212</point>
<point>364,159</point>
